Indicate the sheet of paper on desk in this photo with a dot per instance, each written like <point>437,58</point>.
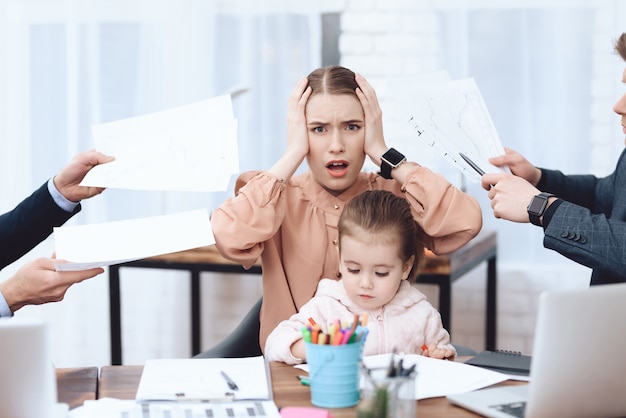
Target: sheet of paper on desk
<point>201,379</point>
<point>108,243</point>
<point>188,148</point>
<point>441,377</point>
<point>117,408</point>
<point>449,117</point>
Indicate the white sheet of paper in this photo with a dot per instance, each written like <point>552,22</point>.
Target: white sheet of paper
<point>188,148</point>
<point>450,117</point>
<point>200,379</point>
<point>441,377</point>
<point>437,377</point>
<point>103,244</point>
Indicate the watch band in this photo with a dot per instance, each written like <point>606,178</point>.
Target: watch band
<point>390,160</point>
<point>537,207</point>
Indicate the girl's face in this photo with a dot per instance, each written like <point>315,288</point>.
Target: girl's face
<point>336,127</point>
<point>371,268</point>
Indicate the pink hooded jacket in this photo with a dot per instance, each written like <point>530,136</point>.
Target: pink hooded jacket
<point>405,323</point>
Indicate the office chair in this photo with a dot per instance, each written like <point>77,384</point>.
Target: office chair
<point>244,340</point>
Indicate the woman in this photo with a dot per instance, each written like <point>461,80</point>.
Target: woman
<point>334,121</point>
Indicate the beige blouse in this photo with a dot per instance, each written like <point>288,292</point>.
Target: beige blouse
<point>293,228</point>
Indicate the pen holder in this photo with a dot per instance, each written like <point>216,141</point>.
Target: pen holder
<point>334,374</point>
<point>387,397</point>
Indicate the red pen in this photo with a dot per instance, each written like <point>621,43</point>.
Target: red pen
<point>424,347</point>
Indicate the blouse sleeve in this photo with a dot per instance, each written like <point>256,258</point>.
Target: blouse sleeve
<point>242,224</point>
<point>449,217</point>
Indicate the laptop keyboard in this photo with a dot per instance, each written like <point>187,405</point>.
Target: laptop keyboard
<point>515,409</point>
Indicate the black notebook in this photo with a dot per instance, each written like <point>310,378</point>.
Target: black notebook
<point>508,362</point>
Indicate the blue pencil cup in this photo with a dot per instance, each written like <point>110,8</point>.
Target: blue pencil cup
<point>334,374</point>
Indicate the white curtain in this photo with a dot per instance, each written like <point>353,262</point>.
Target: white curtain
<point>67,65</point>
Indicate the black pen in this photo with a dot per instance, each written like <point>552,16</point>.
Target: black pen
<point>472,164</point>
<point>231,384</point>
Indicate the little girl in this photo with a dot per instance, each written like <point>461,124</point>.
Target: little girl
<point>379,256</point>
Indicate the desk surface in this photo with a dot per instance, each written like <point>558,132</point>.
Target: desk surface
<point>122,381</point>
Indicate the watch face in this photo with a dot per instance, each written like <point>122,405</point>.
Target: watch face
<point>537,205</point>
<point>393,157</point>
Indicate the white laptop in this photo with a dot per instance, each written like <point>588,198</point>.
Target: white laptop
<point>27,376</point>
<point>578,364</point>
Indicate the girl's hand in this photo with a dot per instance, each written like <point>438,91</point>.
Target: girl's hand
<point>374,145</point>
<point>438,352</point>
<point>297,133</point>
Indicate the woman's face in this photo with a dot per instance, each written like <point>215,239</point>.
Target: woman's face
<point>336,127</point>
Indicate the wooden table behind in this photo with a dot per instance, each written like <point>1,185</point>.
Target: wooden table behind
<point>441,270</point>
<point>77,385</point>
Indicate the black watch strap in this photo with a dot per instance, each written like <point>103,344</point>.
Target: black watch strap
<point>537,207</point>
<point>390,160</point>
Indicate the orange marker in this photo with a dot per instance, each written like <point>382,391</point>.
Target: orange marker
<point>424,347</point>
<point>364,319</point>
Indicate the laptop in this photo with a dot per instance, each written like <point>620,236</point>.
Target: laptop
<point>27,375</point>
<point>578,364</point>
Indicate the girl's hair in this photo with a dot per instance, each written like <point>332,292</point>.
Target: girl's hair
<point>382,212</point>
<point>620,46</point>
<point>332,80</point>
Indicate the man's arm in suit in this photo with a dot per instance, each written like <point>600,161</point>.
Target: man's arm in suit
<point>30,223</point>
<point>592,240</point>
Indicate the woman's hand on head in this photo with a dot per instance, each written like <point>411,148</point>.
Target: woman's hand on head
<point>297,131</point>
<point>374,145</point>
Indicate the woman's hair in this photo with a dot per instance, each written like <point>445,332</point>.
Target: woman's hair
<point>382,212</point>
<point>332,80</point>
<point>620,46</point>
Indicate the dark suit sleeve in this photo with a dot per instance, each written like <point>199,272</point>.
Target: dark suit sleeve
<point>592,240</point>
<point>28,224</point>
<point>589,226</point>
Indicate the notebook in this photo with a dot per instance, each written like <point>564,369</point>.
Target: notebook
<point>578,364</point>
<point>27,376</point>
<point>503,361</point>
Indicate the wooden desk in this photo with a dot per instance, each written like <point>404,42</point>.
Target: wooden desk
<point>77,385</point>
<point>122,381</point>
<point>439,270</point>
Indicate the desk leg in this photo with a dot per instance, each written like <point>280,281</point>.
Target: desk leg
<point>115,316</point>
<point>195,312</point>
<point>492,305</point>
<point>445,300</point>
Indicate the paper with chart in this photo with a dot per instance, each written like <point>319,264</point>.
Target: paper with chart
<point>451,118</point>
<point>119,408</point>
<point>108,243</point>
<point>188,148</point>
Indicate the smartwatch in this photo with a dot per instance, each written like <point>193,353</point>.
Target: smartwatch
<point>390,160</point>
<point>537,206</point>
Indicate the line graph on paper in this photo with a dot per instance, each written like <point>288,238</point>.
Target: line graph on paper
<point>451,118</point>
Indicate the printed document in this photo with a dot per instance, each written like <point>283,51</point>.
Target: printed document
<point>103,244</point>
<point>189,148</point>
<point>450,117</point>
